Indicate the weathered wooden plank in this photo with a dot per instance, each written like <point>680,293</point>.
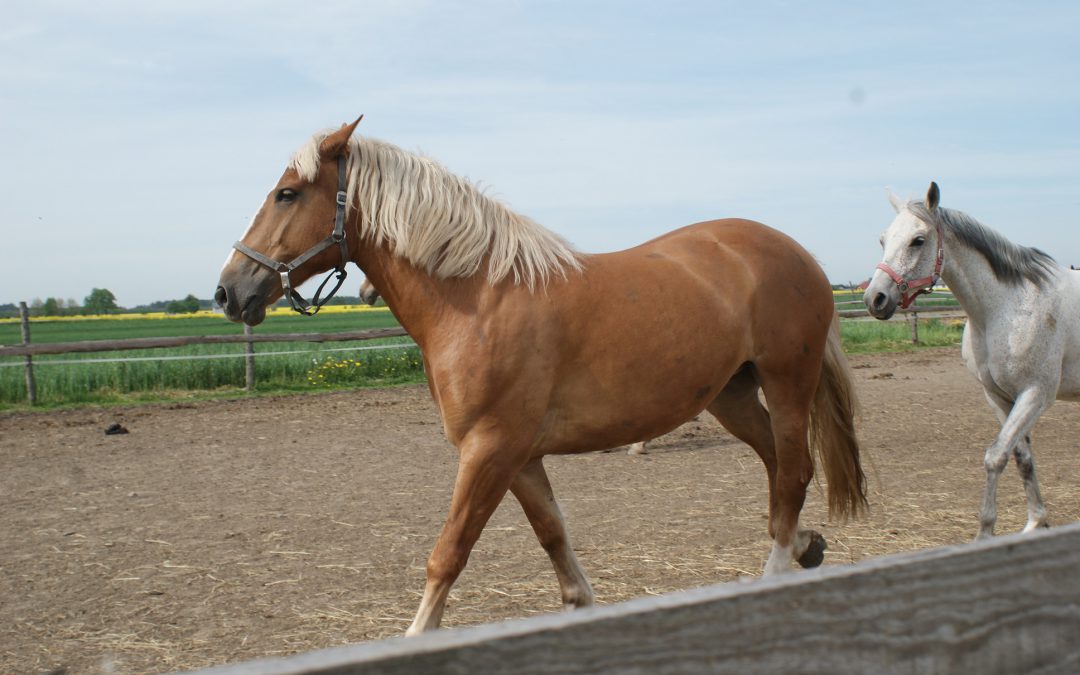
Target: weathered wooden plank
<point>155,342</point>
<point>1006,605</point>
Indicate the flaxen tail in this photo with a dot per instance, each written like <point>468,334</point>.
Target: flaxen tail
<point>832,432</point>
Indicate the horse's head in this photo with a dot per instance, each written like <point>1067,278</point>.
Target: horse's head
<point>297,233</point>
<point>913,253</point>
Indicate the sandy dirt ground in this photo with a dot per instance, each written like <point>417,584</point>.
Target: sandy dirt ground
<point>223,531</point>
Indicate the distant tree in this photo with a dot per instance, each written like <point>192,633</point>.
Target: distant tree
<point>188,305</point>
<point>51,307</point>
<point>100,301</point>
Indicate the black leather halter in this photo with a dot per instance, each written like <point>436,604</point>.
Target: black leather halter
<point>296,301</point>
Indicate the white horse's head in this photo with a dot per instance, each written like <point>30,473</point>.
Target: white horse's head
<point>912,258</point>
<point>369,295</point>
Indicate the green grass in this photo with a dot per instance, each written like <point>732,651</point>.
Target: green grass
<point>864,337</point>
<point>78,379</point>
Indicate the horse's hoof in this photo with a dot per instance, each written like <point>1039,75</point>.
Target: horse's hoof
<point>815,551</point>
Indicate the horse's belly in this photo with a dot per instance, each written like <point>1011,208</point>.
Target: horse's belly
<point>574,433</point>
<point>593,413</point>
<point>1069,389</point>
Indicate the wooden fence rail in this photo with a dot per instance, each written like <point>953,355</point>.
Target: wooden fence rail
<point>27,350</point>
<point>85,346</point>
<point>930,309</point>
<point>156,342</point>
<point>1005,605</point>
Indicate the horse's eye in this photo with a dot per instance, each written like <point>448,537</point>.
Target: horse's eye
<point>286,195</point>
<point>881,240</point>
<point>918,241</point>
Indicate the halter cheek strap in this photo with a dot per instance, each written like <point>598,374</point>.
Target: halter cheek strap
<point>909,290</point>
<point>337,236</point>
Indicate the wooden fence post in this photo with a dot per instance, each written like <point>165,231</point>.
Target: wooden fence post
<point>31,385</point>
<point>249,360</point>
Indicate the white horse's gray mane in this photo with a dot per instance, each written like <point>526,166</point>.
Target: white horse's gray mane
<point>1011,263</point>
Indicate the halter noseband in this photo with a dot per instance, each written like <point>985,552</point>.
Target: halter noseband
<point>909,290</point>
<point>296,301</point>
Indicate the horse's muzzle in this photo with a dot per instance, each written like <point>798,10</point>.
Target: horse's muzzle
<point>879,304</point>
<point>241,306</point>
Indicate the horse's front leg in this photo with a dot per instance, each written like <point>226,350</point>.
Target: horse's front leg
<point>1025,463</point>
<point>485,472</point>
<point>1019,420</point>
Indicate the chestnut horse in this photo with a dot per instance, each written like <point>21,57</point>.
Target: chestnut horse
<point>532,348</point>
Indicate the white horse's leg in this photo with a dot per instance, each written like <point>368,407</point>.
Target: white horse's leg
<point>1026,409</point>
<point>637,449</point>
<point>1025,463</point>
<point>533,491</point>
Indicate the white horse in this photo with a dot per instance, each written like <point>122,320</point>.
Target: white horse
<point>369,295</point>
<point>1022,338</point>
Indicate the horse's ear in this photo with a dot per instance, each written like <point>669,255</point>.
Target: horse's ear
<point>933,196</point>
<point>334,145</point>
<point>896,201</point>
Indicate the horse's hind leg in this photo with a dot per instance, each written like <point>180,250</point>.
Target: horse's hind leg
<point>533,491</point>
<point>789,390</point>
<point>739,410</point>
<point>1025,463</point>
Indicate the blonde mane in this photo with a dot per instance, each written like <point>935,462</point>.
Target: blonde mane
<point>440,222</point>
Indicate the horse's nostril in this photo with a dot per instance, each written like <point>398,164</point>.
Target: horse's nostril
<point>221,297</point>
<point>879,301</point>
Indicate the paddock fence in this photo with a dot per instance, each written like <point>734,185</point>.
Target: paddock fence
<point>855,310</point>
<point>29,350</point>
<point>852,310</point>
<point>1009,604</point>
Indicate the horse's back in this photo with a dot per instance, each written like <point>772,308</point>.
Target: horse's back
<point>726,249</point>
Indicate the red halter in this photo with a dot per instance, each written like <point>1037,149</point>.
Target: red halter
<point>909,290</point>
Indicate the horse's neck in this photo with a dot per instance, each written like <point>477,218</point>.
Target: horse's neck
<point>418,300</point>
<point>971,280</point>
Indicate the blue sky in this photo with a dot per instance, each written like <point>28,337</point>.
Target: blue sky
<point>139,137</point>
